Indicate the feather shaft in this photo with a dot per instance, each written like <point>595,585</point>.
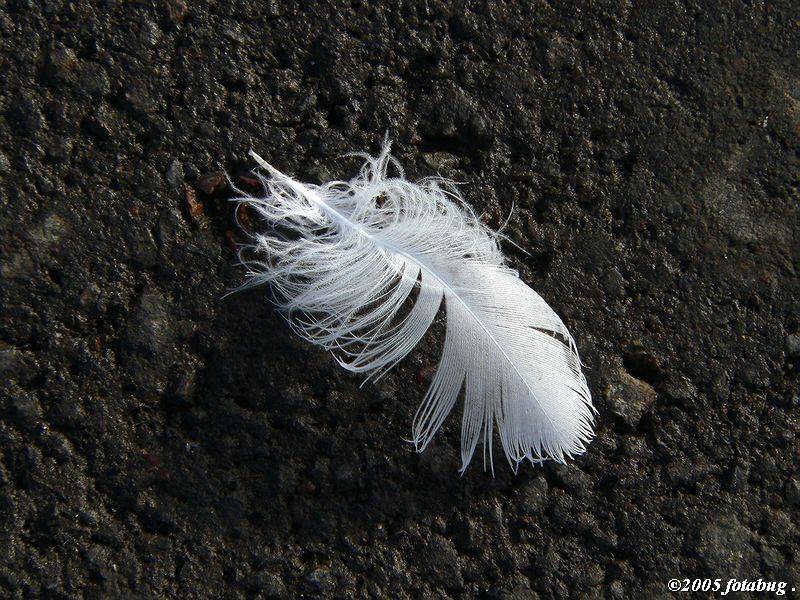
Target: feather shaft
<point>450,292</point>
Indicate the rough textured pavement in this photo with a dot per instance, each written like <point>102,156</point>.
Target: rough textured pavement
<point>157,440</point>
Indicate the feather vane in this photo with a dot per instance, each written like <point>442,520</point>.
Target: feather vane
<point>345,259</point>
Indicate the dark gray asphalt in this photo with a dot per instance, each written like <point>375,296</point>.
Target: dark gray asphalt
<point>159,441</point>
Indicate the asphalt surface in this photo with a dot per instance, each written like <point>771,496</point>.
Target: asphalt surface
<point>159,440</point>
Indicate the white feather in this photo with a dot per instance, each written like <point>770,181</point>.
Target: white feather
<point>344,258</point>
